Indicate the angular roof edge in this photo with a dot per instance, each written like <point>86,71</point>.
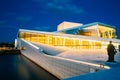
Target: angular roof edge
<point>105,24</point>
<point>31,30</point>
<point>87,25</point>
<point>34,31</point>
<point>72,36</point>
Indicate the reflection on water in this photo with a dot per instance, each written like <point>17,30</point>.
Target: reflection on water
<point>17,67</point>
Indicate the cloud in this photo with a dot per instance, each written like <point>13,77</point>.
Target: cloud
<point>43,28</point>
<point>65,7</point>
<point>24,18</point>
<point>61,1</point>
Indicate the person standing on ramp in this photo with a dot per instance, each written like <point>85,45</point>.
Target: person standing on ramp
<point>111,52</point>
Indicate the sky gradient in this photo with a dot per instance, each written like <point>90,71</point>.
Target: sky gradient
<point>45,15</point>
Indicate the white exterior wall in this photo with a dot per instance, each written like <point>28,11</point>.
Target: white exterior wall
<point>65,25</point>
<point>94,29</point>
<point>15,43</point>
<point>60,67</point>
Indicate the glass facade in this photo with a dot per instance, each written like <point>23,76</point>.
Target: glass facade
<point>62,41</point>
<point>97,30</point>
<point>94,30</point>
<point>107,32</point>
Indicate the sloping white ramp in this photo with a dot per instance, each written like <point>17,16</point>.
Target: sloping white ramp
<point>60,67</point>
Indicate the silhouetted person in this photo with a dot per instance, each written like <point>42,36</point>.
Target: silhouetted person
<point>111,52</point>
<point>119,48</point>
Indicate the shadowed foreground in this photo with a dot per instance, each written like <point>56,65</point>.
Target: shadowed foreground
<point>17,67</point>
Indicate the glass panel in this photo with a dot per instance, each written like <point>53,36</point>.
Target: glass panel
<point>60,41</point>
<point>34,37</point>
<point>22,35</point>
<point>85,44</point>
<point>97,45</point>
<point>27,36</point>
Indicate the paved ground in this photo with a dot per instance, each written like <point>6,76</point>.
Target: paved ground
<point>92,56</point>
<point>111,74</point>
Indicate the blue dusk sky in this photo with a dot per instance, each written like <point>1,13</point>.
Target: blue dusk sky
<point>45,15</point>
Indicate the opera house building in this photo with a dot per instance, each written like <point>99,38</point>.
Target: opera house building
<point>73,50</point>
<point>74,35</point>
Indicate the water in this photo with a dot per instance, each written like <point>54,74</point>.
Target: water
<point>18,67</point>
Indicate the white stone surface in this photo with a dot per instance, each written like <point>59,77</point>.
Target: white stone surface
<point>58,66</point>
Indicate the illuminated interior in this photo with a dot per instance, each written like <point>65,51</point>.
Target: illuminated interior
<point>107,32</point>
<point>62,41</point>
<point>95,29</point>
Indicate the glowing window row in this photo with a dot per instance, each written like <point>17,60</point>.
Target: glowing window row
<point>60,41</point>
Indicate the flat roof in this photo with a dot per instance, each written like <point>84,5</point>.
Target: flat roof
<point>87,25</point>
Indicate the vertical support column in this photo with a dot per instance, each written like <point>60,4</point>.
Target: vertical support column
<point>37,37</point>
<point>98,32</point>
<point>79,43</point>
<point>48,38</point>
<point>94,46</point>
<point>44,38</point>
<point>24,35</point>
<point>109,35</point>
<point>60,41</point>
<point>30,36</point>
<point>55,42</point>
<point>109,32</point>
<point>52,38</point>
<point>74,43</point>
<point>64,41</point>
<point>103,34</point>
<point>91,46</point>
